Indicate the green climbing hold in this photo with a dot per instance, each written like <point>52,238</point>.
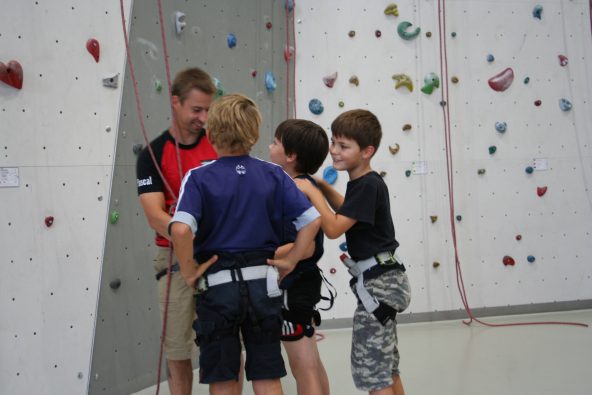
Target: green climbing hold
<point>220,91</point>
<point>341,103</point>
<point>404,34</point>
<point>492,149</point>
<point>158,86</point>
<point>431,82</point>
<point>407,173</point>
<point>114,217</point>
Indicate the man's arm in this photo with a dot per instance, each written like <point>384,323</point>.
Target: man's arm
<point>155,210</point>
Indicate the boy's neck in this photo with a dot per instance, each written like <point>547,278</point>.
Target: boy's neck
<point>291,171</point>
<point>224,152</point>
<point>359,171</point>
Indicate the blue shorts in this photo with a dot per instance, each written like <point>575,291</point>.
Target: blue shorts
<point>226,310</point>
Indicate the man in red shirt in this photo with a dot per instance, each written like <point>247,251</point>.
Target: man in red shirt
<point>192,93</point>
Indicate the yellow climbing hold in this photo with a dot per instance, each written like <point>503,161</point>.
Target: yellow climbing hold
<point>403,80</point>
<point>391,9</point>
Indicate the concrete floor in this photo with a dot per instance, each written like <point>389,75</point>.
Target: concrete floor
<point>450,358</point>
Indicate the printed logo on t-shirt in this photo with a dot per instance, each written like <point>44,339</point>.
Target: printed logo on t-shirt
<point>145,181</point>
<point>240,169</point>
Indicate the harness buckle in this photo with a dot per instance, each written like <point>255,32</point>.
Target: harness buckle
<point>201,285</point>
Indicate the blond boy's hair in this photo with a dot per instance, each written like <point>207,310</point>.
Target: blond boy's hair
<point>233,123</point>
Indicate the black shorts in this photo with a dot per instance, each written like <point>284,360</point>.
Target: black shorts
<point>302,296</point>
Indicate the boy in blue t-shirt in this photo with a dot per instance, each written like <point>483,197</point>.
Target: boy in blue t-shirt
<point>300,147</point>
<point>379,282</point>
<point>232,212</point>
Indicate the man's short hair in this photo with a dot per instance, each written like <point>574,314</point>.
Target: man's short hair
<point>189,79</point>
<point>233,123</point>
<point>359,125</point>
<point>307,140</point>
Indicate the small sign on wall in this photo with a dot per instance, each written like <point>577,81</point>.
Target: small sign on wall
<point>420,167</point>
<point>540,164</point>
<point>9,177</point>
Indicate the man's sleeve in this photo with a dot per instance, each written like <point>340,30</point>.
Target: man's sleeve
<point>147,176</point>
<point>189,207</point>
<point>360,202</point>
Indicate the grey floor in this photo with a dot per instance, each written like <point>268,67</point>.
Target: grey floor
<point>449,358</point>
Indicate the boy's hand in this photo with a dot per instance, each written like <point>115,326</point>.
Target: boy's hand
<point>283,265</point>
<point>199,271</point>
<point>304,185</point>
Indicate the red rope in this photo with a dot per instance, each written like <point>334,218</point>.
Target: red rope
<point>449,168</point>
<point>295,53</point>
<point>288,60</point>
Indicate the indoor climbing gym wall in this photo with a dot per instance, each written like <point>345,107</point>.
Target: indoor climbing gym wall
<point>58,127</point>
<point>241,44</point>
<point>486,146</point>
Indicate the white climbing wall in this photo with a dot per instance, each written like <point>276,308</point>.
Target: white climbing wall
<point>498,205</point>
<point>59,132</point>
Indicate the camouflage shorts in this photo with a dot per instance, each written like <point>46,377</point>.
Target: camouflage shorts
<point>374,353</point>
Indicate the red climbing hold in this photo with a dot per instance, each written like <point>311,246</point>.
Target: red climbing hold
<point>541,191</point>
<point>538,103</point>
<point>92,46</point>
<point>502,81</point>
<point>268,25</point>
<point>332,270</point>
<point>518,237</point>
<point>254,73</point>
<point>12,74</point>
<point>48,221</point>
<point>562,60</point>
<point>508,260</point>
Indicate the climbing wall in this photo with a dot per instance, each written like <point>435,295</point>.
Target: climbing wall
<point>521,160</point>
<point>57,139</point>
<point>238,43</point>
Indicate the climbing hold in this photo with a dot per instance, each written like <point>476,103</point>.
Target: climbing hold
<point>481,172</point>
<point>382,173</point>
<point>526,80</point>
<point>428,34</point>
<point>137,148</point>
<point>354,80</point>
<point>459,218</point>
<point>407,173</point>
<point>502,81</point>
<point>12,74</point>
<point>341,103</point>
<point>253,73</point>
<point>48,221</point>
<point>538,103</point>
<point>403,80</point>
<point>330,174</point>
<point>530,258</point>
<point>111,82</point>
<point>562,60</point>
<point>268,25</point>
<point>402,30</point>
<point>436,265</point>
<point>157,86</point>
<point>220,91</point>
<point>289,5</point>
<point>329,80</point>
<point>501,127</point>
<point>453,34</point>
<point>492,149</point>
<point>565,105</point>
<point>406,127</point>
<point>92,46</point>
<point>378,33</point>
<point>518,237</point>
<point>443,103</point>
<point>315,106</point>
<point>529,169</point>
<point>288,52</point>
<point>270,84</point>
<point>537,11</point>
<point>114,284</point>
<point>490,58</point>
<point>351,33</point>
<point>231,40</point>
<point>343,246</point>
<point>431,81</point>
<point>391,9</point>
<point>508,260</point>
<point>433,218</point>
<point>114,217</point>
<point>332,270</point>
<point>180,22</point>
<point>541,191</point>
<point>394,149</point>
<point>454,79</point>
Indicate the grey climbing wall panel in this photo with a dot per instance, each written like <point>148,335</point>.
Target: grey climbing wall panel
<point>126,345</point>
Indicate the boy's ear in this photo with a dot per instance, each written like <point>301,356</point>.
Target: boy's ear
<point>368,152</point>
<point>291,158</point>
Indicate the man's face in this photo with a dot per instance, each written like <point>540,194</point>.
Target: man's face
<point>192,113</point>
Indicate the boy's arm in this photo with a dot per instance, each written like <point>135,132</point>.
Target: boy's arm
<point>304,238</point>
<point>333,224</point>
<point>334,198</point>
<point>182,238</point>
<point>282,251</point>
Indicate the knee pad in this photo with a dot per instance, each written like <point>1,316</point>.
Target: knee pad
<point>293,331</point>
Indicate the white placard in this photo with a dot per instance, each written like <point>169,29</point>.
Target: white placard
<point>420,167</point>
<point>540,164</point>
<point>9,177</point>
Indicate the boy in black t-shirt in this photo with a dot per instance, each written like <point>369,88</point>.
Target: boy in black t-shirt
<point>300,148</point>
<point>379,282</point>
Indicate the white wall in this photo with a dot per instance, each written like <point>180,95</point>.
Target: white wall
<point>499,205</point>
<point>54,132</point>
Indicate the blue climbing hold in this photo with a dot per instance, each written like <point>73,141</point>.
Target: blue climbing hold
<point>231,40</point>
<point>330,174</point>
<point>530,258</point>
<point>501,127</point>
<point>315,106</point>
<point>270,84</point>
<point>526,80</point>
<point>343,246</point>
<point>565,104</point>
<point>490,58</point>
<point>537,11</point>
<point>529,169</point>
